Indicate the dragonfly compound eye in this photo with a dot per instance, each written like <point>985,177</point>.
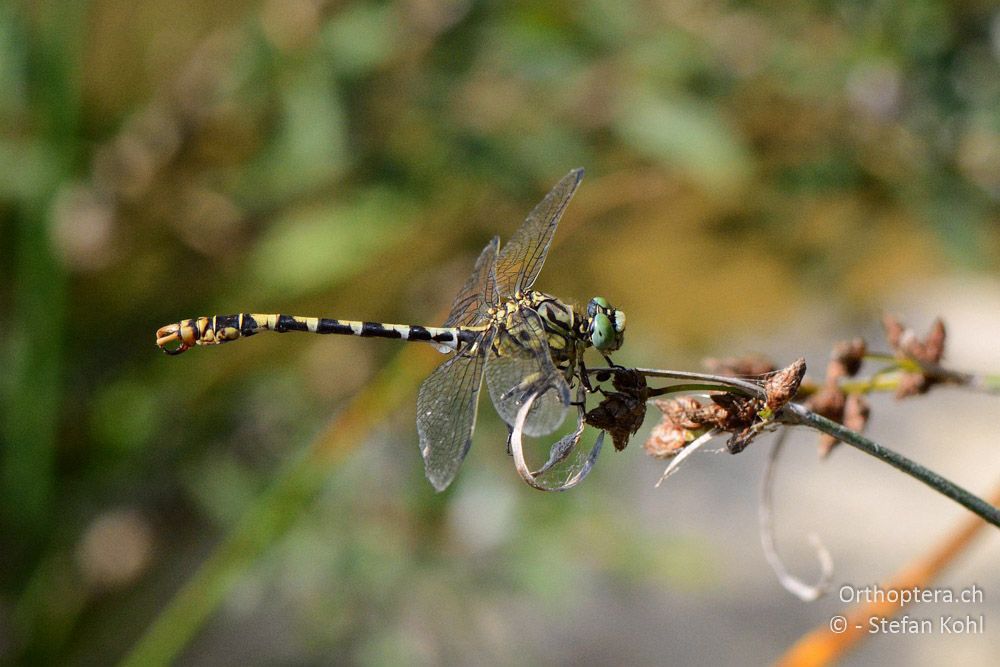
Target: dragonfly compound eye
<point>597,305</point>
<point>602,332</point>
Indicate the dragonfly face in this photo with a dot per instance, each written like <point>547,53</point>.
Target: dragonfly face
<point>605,325</point>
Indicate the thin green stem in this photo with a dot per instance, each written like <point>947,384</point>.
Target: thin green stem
<point>877,382</point>
<point>797,414</point>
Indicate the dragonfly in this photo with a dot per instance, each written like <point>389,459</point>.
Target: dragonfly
<point>529,345</point>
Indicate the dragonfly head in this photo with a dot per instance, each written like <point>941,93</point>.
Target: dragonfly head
<point>605,324</point>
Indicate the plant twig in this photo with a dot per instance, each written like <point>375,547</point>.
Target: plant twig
<point>793,413</point>
<point>731,384</point>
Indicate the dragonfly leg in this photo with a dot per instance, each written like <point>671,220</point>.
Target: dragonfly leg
<point>585,377</point>
<point>530,385</point>
<point>585,380</point>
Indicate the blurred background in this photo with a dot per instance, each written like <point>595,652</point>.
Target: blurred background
<point>761,177</point>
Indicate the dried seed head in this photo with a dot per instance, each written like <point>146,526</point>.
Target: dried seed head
<point>907,345</point>
<point>829,402</point>
<point>621,413</point>
<point>856,412</point>
<point>666,440</point>
<point>683,411</point>
<point>894,330</point>
<point>782,386</point>
<point>853,414</point>
<point>735,413</point>
<point>846,358</point>
<point>934,343</point>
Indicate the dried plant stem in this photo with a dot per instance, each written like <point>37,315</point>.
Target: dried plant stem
<point>765,516</point>
<point>794,413</point>
<point>718,382</point>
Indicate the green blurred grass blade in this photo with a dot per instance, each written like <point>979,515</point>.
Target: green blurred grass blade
<point>35,356</point>
<point>276,510</point>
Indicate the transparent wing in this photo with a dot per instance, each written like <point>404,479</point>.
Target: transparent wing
<point>446,414</point>
<point>519,365</point>
<point>479,290</point>
<point>522,257</point>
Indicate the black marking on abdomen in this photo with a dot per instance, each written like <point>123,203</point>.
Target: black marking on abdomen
<point>287,323</point>
<point>326,326</point>
<point>225,322</point>
<point>378,330</point>
<point>444,337</point>
<point>419,333</point>
<point>248,326</point>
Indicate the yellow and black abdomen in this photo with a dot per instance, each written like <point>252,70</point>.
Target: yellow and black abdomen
<point>218,329</point>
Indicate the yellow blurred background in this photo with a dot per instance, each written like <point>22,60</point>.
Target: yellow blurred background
<point>761,177</point>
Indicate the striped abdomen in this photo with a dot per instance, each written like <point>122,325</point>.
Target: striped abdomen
<point>224,328</point>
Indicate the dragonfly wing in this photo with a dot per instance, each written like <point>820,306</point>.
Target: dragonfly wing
<point>446,414</point>
<point>468,307</point>
<point>519,364</point>
<point>522,257</point>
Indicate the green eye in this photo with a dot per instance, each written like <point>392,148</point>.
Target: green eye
<point>601,301</point>
<point>602,333</point>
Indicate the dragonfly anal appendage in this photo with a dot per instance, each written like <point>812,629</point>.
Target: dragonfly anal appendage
<point>167,335</point>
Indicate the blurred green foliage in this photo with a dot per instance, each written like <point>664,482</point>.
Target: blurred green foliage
<point>349,158</point>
